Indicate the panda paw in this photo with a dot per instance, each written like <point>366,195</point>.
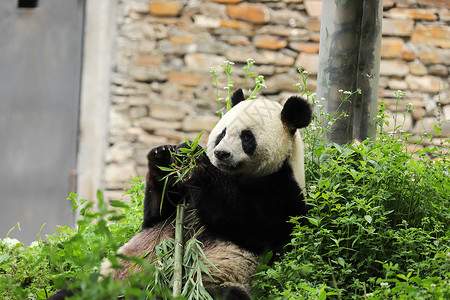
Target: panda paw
<point>160,157</point>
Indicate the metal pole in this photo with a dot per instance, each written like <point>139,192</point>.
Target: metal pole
<point>366,104</point>
<point>340,34</point>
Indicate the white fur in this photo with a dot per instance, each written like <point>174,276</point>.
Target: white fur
<point>274,142</point>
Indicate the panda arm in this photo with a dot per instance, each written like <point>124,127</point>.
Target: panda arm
<point>156,207</point>
<point>161,198</point>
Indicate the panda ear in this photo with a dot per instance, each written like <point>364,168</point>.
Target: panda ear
<point>296,113</point>
<point>237,97</point>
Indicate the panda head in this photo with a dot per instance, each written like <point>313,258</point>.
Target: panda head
<point>256,137</point>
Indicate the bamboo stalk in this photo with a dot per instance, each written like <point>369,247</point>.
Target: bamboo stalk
<point>178,259</point>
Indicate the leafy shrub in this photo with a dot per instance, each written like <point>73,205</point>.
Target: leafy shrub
<point>37,271</point>
<point>379,223</point>
<point>376,216</point>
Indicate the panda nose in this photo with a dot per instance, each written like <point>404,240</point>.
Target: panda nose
<point>221,155</point>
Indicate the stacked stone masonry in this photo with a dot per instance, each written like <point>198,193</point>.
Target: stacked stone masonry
<point>161,89</point>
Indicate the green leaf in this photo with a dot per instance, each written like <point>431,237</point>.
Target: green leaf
<point>437,129</point>
<point>100,195</point>
<point>313,221</point>
<point>309,289</point>
<point>368,218</point>
<point>118,203</point>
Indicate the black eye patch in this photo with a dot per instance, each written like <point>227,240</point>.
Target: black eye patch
<point>248,142</point>
<point>220,136</point>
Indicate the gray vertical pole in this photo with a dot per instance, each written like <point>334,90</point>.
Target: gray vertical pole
<point>338,62</point>
<point>365,109</point>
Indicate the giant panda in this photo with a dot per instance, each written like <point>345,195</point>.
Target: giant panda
<point>243,192</point>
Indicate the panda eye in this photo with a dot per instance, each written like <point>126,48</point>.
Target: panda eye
<point>246,135</point>
<point>220,136</point>
<point>248,142</point>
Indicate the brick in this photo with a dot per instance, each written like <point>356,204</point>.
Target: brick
<point>397,27</point>
<point>225,1</point>
<point>393,68</point>
<point>428,84</point>
<point>181,40</point>
<point>315,37</point>
<point>394,84</point>
<point>388,4</point>
<point>414,14</point>
<point>308,62</point>
<point>251,12</point>
<point>305,47</point>
<point>199,123</point>
<point>446,112</point>
<point>165,9</point>
<point>313,25</point>
<point>438,36</point>
<point>164,111</point>
<point>282,82</point>
<point>185,79</point>
<point>206,22</point>
<point>295,33</point>
<point>117,174</point>
<point>265,57</point>
<point>399,119</point>
<point>238,40</point>
<point>119,152</point>
<point>140,73</point>
<point>439,70</point>
<point>408,55</point>
<point>200,62</point>
<point>170,134</point>
<point>269,42</point>
<point>435,3</point>
<point>234,24</point>
<point>435,56</point>
<point>391,47</point>
<point>147,60</point>
<point>444,15</point>
<point>417,68</point>
<point>288,18</point>
<point>276,58</point>
<point>427,125</point>
<point>313,8</point>
<point>153,124</point>
<point>418,113</point>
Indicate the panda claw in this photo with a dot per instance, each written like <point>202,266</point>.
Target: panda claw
<point>161,155</point>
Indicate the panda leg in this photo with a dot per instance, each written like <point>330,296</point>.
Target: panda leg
<point>231,292</point>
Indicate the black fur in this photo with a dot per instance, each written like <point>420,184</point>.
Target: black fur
<point>253,214</point>
<point>296,113</point>
<point>248,142</point>
<point>237,97</point>
<point>220,136</point>
<point>229,293</point>
<point>153,211</point>
<point>61,295</point>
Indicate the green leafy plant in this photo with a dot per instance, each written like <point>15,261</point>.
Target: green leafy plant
<point>227,68</point>
<point>378,225</point>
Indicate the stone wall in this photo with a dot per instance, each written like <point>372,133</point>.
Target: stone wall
<point>161,84</point>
